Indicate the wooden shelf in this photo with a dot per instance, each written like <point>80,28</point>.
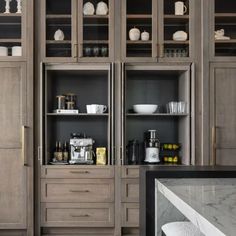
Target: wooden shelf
<point>173,19</point>
<point>176,42</point>
<point>79,114</point>
<point>57,16</point>
<point>10,14</point>
<point>225,15</point>
<point>138,16</point>
<point>157,114</point>
<point>139,42</point>
<point>225,41</point>
<point>58,42</point>
<point>96,17</point>
<point>95,42</point>
<point>10,40</point>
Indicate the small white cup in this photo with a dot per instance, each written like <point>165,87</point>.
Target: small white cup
<point>180,8</point>
<point>3,51</point>
<point>96,109</point>
<point>17,51</point>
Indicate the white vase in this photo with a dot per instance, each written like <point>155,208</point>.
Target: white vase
<point>145,36</point>
<point>134,34</point>
<point>17,51</point>
<point>59,35</point>
<point>102,9</point>
<point>88,9</point>
<point>19,7</point>
<point>7,7</point>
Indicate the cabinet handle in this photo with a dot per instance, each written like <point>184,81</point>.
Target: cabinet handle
<point>23,138</point>
<point>79,172</point>
<point>213,145</point>
<point>79,191</point>
<point>85,215</point>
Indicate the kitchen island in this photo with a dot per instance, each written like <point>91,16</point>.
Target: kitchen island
<point>210,204</point>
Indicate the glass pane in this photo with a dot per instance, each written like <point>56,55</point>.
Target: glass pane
<point>96,28</point>
<point>176,29</point>
<point>225,28</point>
<point>139,28</point>
<point>10,28</point>
<point>58,28</point>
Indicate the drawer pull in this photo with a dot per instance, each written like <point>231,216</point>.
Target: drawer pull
<point>85,215</point>
<point>79,172</point>
<point>79,191</point>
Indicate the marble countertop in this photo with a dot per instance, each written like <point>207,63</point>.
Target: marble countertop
<point>208,203</point>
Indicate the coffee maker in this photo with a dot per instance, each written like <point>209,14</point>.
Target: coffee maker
<point>152,147</point>
<point>81,149</point>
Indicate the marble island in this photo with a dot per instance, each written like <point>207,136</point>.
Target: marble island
<point>210,204</point>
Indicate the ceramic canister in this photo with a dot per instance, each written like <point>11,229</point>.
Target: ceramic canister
<point>17,51</point>
<point>3,51</point>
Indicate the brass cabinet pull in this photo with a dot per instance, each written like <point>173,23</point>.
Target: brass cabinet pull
<point>85,215</point>
<point>23,149</point>
<point>213,145</point>
<point>79,172</point>
<point>79,191</point>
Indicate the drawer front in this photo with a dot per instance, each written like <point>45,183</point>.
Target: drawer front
<point>74,172</point>
<point>77,214</point>
<point>130,172</point>
<point>77,190</point>
<point>130,190</point>
<point>130,215</point>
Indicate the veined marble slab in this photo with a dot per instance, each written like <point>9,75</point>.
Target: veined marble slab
<point>210,204</point>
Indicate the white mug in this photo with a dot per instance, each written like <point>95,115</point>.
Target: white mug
<point>96,109</point>
<point>180,8</point>
<point>17,51</point>
<point>3,51</point>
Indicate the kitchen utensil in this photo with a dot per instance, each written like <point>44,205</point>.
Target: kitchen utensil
<point>180,8</point>
<point>133,152</point>
<point>182,107</point>
<point>180,36</point>
<point>96,51</point>
<point>17,51</point>
<point>88,9</point>
<point>70,105</point>
<point>145,108</point>
<point>61,102</point>
<point>104,51</point>
<point>3,51</point>
<point>173,107</point>
<point>101,158</point>
<point>152,147</point>
<point>134,34</point>
<point>71,97</point>
<point>145,36</point>
<point>101,9</point>
<point>96,109</point>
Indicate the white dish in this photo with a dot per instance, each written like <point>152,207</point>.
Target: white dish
<point>145,108</point>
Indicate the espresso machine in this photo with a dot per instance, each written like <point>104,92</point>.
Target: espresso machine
<point>81,149</point>
<point>152,147</point>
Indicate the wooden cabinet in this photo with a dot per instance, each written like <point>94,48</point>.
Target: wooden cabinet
<point>14,153</point>
<point>222,115</point>
<point>86,37</point>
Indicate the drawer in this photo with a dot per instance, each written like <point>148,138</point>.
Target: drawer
<point>77,190</point>
<point>129,190</point>
<point>130,215</point>
<point>77,214</point>
<point>130,172</point>
<point>74,172</point>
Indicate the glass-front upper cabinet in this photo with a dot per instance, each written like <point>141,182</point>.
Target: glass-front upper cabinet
<point>12,29</point>
<point>96,29</point>
<point>59,29</point>
<point>225,28</point>
<point>139,39</point>
<point>176,27</point>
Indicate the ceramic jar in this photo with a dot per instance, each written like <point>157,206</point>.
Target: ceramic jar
<point>102,9</point>
<point>88,9</point>
<point>134,34</point>
<point>3,51</point>
<point>180,36</point>
<point>59,35</point>
<point>17,51</point>
<point>145,36</point>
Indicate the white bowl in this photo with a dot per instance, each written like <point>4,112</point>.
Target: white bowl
<point>145,108</point>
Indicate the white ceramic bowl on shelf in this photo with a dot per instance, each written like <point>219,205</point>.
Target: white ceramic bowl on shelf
<point>145,108</point>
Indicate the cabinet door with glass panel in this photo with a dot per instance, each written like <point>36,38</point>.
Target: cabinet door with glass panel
<point>139,29</point>
<point>12,29</point>
<point>96,30</point>
<point>58,34</point>
<point>176,29</point>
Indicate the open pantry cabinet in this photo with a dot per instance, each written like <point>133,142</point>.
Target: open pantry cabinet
<point>91,84</point>
<point>158,84</point>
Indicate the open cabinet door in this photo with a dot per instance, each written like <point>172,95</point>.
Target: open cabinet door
<point>223,114</point>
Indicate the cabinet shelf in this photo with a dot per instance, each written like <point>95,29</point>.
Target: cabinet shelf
<point>139,16</point>
<point>79,114</point>
<point>225,41</point>
<point>156,114</point>
<point>58,42</point>
<point>58,16</point>
<point>139,42</point>
<point>10,15</point>
<point>176,42</point>
<point>10,40</point>
<point>96,17</point>
<point>95,42</point>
